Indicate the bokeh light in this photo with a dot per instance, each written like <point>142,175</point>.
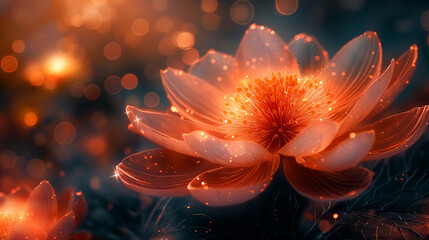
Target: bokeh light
<point>185,40</point>
<point>18,46</point>
<point>286,7</point>
<point>36,167</point>
<point>151,99</point>
<point>58,65</point>
<point>112,84</point>
<point>129,81</point>
<point>112,51</point>
<point>92,92</point>
<point>209,6</point>
<point>64,133</point>
<point>9,64</point>
<point>30,119</point>
<point>140,27</point>
<point>242,12</point>
<point>210,21</point>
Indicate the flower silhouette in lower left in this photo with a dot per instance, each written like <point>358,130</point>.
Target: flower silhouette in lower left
<point>37,216</point>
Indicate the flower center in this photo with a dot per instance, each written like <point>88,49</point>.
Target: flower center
<point>271,111</point>
<point>9,218</point>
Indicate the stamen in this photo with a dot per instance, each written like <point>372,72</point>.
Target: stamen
<point>271,111</point>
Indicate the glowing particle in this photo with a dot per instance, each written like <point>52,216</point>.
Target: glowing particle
<point>30,119</point>
<point>185,40</point>
<point>352,135</point>
<point>335,215</point>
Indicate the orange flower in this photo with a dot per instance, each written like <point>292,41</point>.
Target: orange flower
<point>36,216</point>
<point>239,117</point>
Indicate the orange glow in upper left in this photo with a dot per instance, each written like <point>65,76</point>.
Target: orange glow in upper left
<point>59,66</point>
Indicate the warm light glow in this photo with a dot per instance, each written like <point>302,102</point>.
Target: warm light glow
<point>59,66</point>
<point>9,216</point>
<point>30,119</point>
<point>185,40</point>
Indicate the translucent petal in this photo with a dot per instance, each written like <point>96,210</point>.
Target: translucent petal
<point>346,154</point>
<point>228,186</point>
<point>163,129</point>
<point>226,152</point>
<point>321,185</point>
<point>262,52</point>
<point>42,205</point>
<point>353,68</point>
<point>63,228</point>
<point>404,71</point>
<point>65,201</point>
<point>309,53</point>
<point>160,172</point>
<point>216,68</point>
<point>396,133</point>
<point>79,208</point>
<point>312,140</point>
<point>366,103</point>
<point>194,98</point>
<point>27,230</point>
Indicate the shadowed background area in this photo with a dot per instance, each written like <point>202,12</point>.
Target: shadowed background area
<point>69,68</point>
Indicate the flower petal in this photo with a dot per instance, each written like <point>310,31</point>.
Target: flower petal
<point>42,205</point>
<point>262,52</point>
<point>226,152</point>
<point>310,54</point>
<point>163,129</point>
<point>216,68</point>
<point>193,97</point>
<point>321,185</point>
<point>228,186</point>
<point>160,172</point>
<point>340,156</point>
<point>27,230</point>
<point>366,103</point>
<point>65,201</point>
<point>396,133</point>
<point>63,228</point>
<point>353,68</point>
<point>404,70</point>
<point>312,140</point>
<point>79,208</point>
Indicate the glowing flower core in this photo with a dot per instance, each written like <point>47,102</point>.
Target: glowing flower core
<point>271,111</point>
<point>8,218</point>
